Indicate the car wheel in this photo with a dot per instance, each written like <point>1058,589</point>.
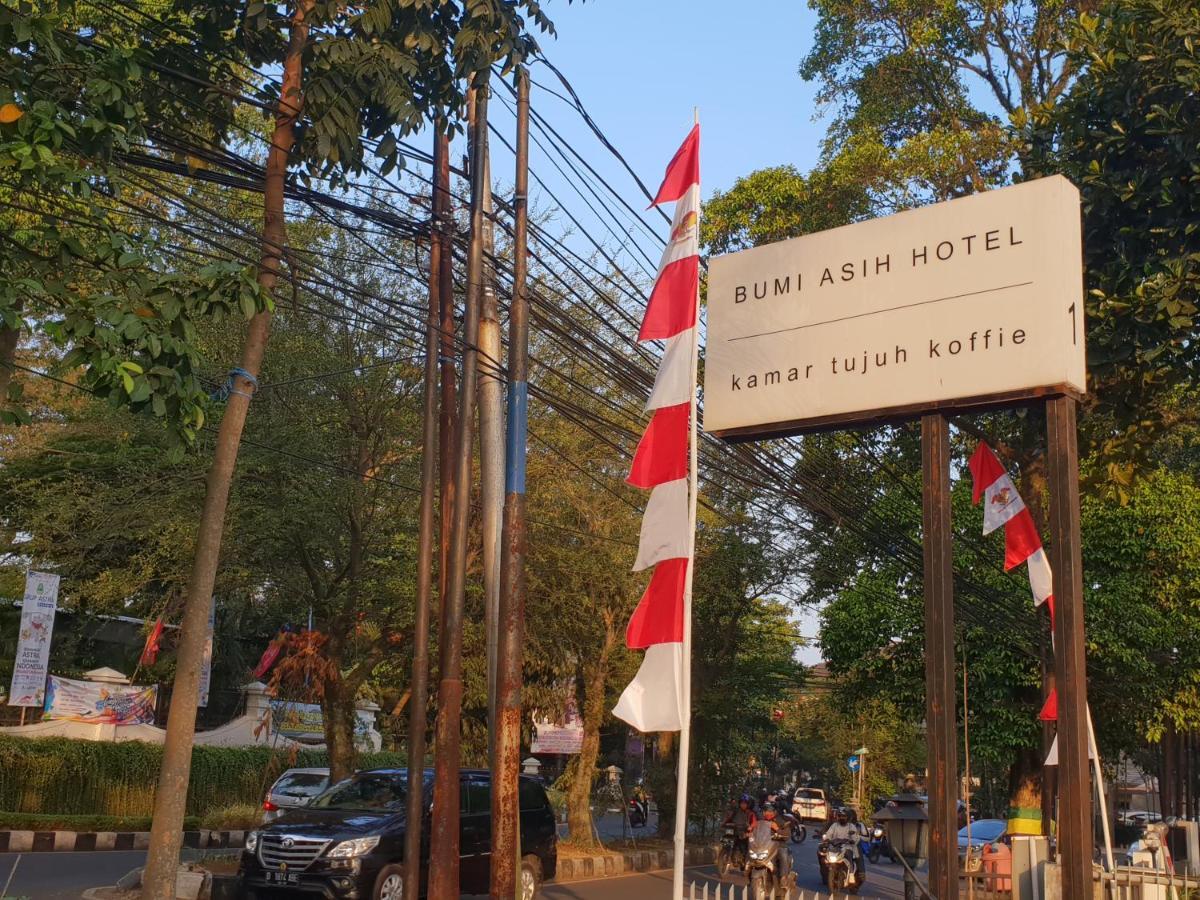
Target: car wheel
<point>389,885</point>
<point>531,877</point>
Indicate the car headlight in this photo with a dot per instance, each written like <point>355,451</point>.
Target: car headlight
<point>251,841</point>
<point>758,854</point>
<point>352,848</point>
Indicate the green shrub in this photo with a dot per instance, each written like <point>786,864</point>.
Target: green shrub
<point>32,822</point>
<point>237,817</point>
<point>62,776</point>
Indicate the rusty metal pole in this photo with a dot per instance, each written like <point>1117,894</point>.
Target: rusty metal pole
<point>1075,842</point>
<point>940,700</point>
<point>444,834</point>
<point>506,760</point>
<point>448,415</point>
<point>418,702</point>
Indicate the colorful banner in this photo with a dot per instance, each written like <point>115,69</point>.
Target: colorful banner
<point>206,669</point>
<point>100,704</point>
<point>28,686</point>
<point>304,721</point>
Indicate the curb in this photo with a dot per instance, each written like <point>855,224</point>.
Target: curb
<point>603,865</point>
<point>72,841</point>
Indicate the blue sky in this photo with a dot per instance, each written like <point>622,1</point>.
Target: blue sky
<point>640,66</point>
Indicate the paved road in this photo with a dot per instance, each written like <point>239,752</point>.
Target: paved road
<point>63,876</point>
<point>884,881</point>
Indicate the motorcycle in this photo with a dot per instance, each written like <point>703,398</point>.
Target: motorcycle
<point>841,869</point>
<point>638,812</point>
<point>879,845</point>
<point>731,854</point>
<point>769,867</point>
<point>797,831</point>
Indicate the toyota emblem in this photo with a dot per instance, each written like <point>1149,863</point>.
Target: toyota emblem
<point>288,843</point>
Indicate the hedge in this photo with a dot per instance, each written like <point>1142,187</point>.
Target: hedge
<point>33,822</point>
<point>61,776</point>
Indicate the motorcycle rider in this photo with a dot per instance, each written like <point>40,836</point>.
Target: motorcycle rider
<point>743,820</point>
<point>844,830</point>
<point>781,829</point>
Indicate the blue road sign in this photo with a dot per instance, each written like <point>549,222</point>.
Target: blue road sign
<point>853,763</point>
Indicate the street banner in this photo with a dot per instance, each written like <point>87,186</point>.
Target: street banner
<point>100,704</point>
<point>304,721</point>
<point>964,304</point>
<point>664,464</point>
<point>206,668</point>
<point>565,737</point>
<point>32,662</point>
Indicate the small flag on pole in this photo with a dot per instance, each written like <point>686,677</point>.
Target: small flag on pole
<point>664,463</point>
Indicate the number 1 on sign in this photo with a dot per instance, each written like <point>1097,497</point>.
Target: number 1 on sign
<point>1074,335</point>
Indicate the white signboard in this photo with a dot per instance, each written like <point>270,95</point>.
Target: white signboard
<point>974,301</point>
<point>565,737</point>
<point>28,686</point>
<point>206,666</point>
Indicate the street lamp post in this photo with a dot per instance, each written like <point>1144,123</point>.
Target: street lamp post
<point>907,826</point>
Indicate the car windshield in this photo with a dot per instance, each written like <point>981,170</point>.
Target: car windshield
<point>809,794</point>
<point>369,790</point>
<point>301,784</point>
<point>985,831</point>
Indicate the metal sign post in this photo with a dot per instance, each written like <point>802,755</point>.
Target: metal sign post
<point>940,702</point>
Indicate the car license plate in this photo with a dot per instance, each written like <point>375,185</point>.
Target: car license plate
<point>283,877</point>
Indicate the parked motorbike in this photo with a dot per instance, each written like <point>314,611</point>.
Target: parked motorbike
<point>638,812</point>
<point>769,867</point>
<point>879,844</point>
<point>841,866</point>
<point>731,854</point>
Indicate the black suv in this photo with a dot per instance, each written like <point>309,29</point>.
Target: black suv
<point>348,843</point>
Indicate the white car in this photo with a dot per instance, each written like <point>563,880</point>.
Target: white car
<point>293,789</point>
<point>810,805</point>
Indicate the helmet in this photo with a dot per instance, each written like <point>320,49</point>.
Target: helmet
<point>745,798</point>
<point>842,816</point>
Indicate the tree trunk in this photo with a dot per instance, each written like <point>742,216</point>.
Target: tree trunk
<point>9,338</point>
<point>579,795</point>
<point>1025,794</point>
<point>339,713</point>
<point>166,833</point>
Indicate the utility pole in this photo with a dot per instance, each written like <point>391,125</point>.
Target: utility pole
<point>170,796</point>
<point>444,837</point>
<point>491,435</point>
<point>506,759</point>
<point>448,416</point>
<point>418,702</point>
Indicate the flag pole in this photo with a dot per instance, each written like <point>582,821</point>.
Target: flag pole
<point>685,732</point>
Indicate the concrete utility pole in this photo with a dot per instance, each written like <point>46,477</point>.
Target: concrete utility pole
<point>418,703</point>
<point>491,437</point>
<point>170,797</point>
<point>506,760</point>
<point>444,837</point>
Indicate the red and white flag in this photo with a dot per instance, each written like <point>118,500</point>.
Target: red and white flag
<point>664,463</point>
<point>1004,506</point>
<point>1022,543</point>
